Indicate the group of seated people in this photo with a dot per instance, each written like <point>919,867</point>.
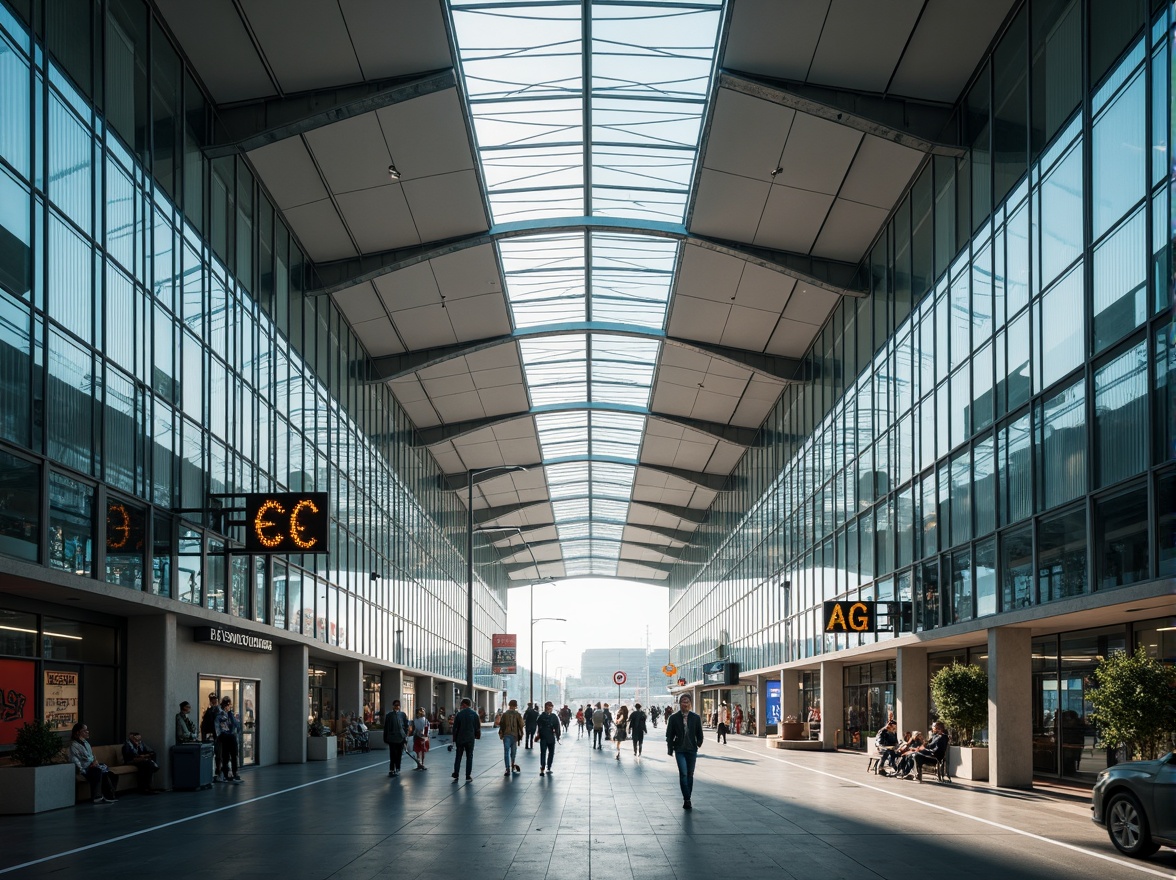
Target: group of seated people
<point>907,757</point>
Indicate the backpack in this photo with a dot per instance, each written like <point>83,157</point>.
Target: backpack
<point>598,720</point>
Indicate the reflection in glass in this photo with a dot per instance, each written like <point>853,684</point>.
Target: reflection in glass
<point>1118,156</point>
<point>1061,555</point>
<point>71,524</point>
<point>1120,407</point>
<point>1016,565</point>
<point>1120,281</point>
<point>1061,324</point>
<point>20,507</point>
<point>1061,215</point>
<point>1121,540</point>
<point>985,585</point>
<point>1060,432</point>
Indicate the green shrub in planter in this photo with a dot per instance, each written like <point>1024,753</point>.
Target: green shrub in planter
<point>1133,703</point>
<point>37,743</point>
<point>961,698</point>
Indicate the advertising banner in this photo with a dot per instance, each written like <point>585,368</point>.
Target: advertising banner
<point>17,678</point>
<point>505,647</point>
<point>61,699</point>
<point>772,705</point>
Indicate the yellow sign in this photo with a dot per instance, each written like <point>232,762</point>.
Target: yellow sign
<point>287,522</point>
<point>670,670</point>
<point>847,617</point>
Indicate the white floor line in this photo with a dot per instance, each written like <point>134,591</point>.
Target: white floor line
<point>128,836</point>
<point>1145,869</point>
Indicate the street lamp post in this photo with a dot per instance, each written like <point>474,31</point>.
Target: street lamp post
<point>543,648</point>
<point>470,475</point>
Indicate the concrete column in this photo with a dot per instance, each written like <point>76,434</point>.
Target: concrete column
<point>761,712</point>
<point>1010,702</point>
<point>912,687</point>
<point>350,699</point>
<point>832,704</point>
<point>391,688</point>
<point>293,663</point>
<point>424,693</point>
<point>152,697</point>
<point>790,695</point>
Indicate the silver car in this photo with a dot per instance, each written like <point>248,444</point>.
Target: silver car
<point>1136,803</point>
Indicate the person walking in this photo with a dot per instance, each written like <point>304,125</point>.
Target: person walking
<point>510,731</point>
<point>467,727</point>
<point>654,715</point>
<point>683,740</point>
<point>737,718</point>
<point>622,722</point>
<point>637,728</point>
<point>208,733</point>
<point>597,727</point>
<point>579,722</point>
<point>396,736</point>
<point>608,722</point>
<point>530,719</point>
<point>420,737</point>
<point>547,730</point>
<point>722,720</point>
<point>565,717</point>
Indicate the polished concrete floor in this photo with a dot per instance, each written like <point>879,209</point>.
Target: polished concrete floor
<point>758,814</point>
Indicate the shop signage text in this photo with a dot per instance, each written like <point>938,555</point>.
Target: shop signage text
<point>287,522</point>
<point>504,648</point>
<point>720,672</point>
<point>850,617</point>
<point>234,638</point>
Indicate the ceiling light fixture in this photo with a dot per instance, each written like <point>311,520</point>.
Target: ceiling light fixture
<point>393,171</point>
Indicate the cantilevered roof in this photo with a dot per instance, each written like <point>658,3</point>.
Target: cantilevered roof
<point>617,227</point>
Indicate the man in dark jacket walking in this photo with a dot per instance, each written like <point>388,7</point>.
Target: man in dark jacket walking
<point>548,733</point>
<point>530,719</point>
<point>637,728</point>
<point>395,735</point>
<point>467,727</point>
<point>683,740</point>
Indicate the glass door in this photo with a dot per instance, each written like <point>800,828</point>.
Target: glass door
<point>244,694</point>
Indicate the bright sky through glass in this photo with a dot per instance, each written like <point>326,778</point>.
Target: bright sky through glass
<point>588,108</point>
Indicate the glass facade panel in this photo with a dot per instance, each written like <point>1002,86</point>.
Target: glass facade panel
<point>1120,407</point>
<point>1061,556</point>
<point>71,524</point>
<point>1120,281</point>
<point>1016,566</point>
<point>1118,155</point>
<point>1121,542</point>
<point>20,507</point>
<point>1060,440</point>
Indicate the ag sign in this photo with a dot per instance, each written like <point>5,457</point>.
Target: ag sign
<point>850,617</point>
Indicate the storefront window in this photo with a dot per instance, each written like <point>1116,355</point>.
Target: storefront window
<point>373,706</point>
<point>18,634</point>
<point>71,524</point>
<point>126,534</point>
<point>321,682</point>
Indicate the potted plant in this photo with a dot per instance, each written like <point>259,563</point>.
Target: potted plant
<point>791,728</point>
<point>320,744</point>
<point>1133,706</point>
<point>960,694</point>
<point>43,780</point>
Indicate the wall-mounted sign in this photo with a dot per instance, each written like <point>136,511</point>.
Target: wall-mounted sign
<point>125,528</point>
<point>504,649</point>
<point>669,670</point>
<point>772,702</point>
<point>720,672</point>
<point>61,699</point>
<point>850,617</point>
<point>287,522</point>
<point>231,637</point>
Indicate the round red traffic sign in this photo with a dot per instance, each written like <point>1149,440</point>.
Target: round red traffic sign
<point>619,678</point>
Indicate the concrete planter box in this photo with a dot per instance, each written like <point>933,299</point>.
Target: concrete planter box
<point>801,745</point>
<point>792,730</point>
<point>37,789</point>
<point>376,740</point>
<point>968,762</point>
<point>322,748</point>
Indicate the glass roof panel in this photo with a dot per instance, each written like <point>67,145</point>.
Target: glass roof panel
<point>556,368</point>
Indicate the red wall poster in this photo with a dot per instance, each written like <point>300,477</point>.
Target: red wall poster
<point>504,648</point>
<point>17,679</point>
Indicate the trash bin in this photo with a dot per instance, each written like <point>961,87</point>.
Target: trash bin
<point>192,765</point>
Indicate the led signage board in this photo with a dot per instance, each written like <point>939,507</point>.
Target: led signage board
<point>125,528</point>
<point>504,647</point>
<point>290,522</point>
<point>850,617</point>
<point>720,672</point>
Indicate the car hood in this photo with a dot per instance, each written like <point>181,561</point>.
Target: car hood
<point>1149,767</point>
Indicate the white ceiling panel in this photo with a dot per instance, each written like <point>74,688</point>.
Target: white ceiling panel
<point>410,287</point>
<point>751,413</point>
<point>761,288</point>
<point>848,231</point>
<point>673,399</point>
<point>498,378</point>
<point>746,135</point>
<point>478,317</point>
<point>724,457</point>
<point>407,388</point>
<point>378,218</point>
<point>424,327</point>
<point>516,429</point>
<point>467,272</point>
<point>305,41</point>
<point>817,155</point>
<point>749,329</point>
<point>322,233</point>
<point>861,43</point>
<point>446,205</point>
<point>217,42</point>
<point>792,219</point>
<point>288,172</point>
<point>494,358</point>
<point>728,206</point>
<point>395,42</point>
<point>441,386</point>
<point>945,48</point>
<point>880,172</point>
<point>707,274</point>
<point>360,303</point>
<point>421,413</point>
<point>351,153</point>
<point>378,337</point>
<point>712,407</point>
<point>774,38</point>
<point>427,135</point>
<point>504,399</point>
<point>698,319</point>
<point>792,338</point>
<point>459,407</point>
<point>810,304</point>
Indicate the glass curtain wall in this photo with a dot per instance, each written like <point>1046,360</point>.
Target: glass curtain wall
<point>157,346</point>
<point>997,421</point>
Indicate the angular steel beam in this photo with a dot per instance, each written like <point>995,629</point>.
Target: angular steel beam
<point>733,434</point>
<point>713,482</point>
<point>255,124</point>
<point>918,125</point>
<point>686,514</point>
<point>832,275</point>
<point>784,369</point>
<point>509,553</point>
<point>679,536</point>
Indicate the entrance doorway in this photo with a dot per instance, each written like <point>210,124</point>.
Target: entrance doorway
<point>244,693</point>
